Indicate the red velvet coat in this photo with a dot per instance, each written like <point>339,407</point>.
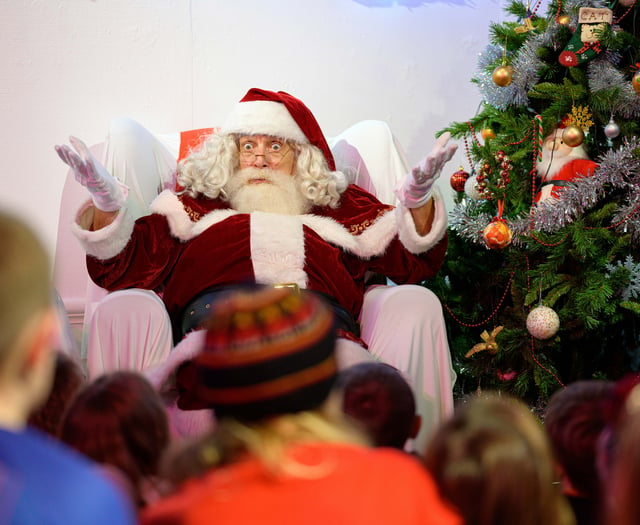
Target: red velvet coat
<point>187,245</point>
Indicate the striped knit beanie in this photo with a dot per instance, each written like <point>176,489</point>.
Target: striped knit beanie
<point>268,351</point>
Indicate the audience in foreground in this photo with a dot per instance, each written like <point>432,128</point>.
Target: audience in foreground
<point>618,453</point>
<point>493,462</point>
<point>574,419</point>
<point>119,421</point>
<point>380,400</point>
<point>68,378</point>
<point>41,480</point>
<point>280,452</point>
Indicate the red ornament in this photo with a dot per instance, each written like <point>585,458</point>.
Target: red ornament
<point>497,235</point>
<point>458,179</point>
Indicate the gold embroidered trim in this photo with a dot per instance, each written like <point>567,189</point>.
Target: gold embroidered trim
<point>356,229</point>
<point>193,215</point>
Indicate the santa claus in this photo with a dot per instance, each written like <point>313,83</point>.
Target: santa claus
<point>260,201</point>
<point>561,164</point>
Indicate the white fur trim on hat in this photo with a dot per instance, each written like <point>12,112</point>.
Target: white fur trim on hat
<point>263,117</point>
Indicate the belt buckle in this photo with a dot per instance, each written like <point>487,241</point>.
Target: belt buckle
<point>293,286</point>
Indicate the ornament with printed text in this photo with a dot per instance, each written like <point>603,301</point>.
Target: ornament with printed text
<point>497,235</point>
<point>612,130</point>
<point>573,136</point>
<point>543,322</point>
<point>458,179</point>
<point>502,75</point>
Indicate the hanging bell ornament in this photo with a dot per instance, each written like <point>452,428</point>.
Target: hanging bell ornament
<point>635,81</point>
<point>564,20</point>
<point>502,75</point>
<point>612,130</point>
<point>458,179</point>
<point>573,136</point>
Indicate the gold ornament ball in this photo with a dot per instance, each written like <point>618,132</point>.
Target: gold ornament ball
<point>497,235</point>
<point>502,75</point>
<point>564,20</point>
<point>488,133</point>
<point>635,81</point>
<point>573,136</point>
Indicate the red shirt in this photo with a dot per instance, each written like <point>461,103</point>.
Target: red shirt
<point>345,484</point>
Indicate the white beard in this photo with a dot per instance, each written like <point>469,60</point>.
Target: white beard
<point>280,193</point>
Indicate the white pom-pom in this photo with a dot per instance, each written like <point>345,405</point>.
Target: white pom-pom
<point>543,322</point>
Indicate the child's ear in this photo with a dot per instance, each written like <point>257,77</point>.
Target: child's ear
<point>40,335</point>
<point>415,427</point>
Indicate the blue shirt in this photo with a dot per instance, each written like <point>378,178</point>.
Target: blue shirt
<point>43,482</point>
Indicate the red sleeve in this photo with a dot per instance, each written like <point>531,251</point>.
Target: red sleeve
<point>145,262</point>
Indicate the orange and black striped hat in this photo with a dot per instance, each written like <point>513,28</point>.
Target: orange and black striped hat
<point>268,351</point>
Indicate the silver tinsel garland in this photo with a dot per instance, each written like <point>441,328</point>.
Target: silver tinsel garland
<point>617,170</point>
<point>526,64</point>
<point>603,75</point>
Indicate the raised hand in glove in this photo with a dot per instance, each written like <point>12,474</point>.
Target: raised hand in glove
<point>106,192</point>
<point>415,190</point>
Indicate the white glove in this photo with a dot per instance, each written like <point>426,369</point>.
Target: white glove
<point>415,190</point>
<point>106,192</point>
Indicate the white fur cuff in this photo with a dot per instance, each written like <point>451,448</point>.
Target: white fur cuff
<point>106,242</point>
<point>407,234</point>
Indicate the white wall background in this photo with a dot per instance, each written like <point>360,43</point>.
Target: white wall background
<point>69,66</point>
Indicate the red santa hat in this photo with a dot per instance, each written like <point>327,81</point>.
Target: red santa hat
<point>262,112</point>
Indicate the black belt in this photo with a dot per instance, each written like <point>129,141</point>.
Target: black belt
<point>556,182</point>
<point>198,310</point>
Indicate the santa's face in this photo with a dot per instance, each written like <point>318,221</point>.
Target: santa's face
<point>266,151</point>
<point>555,154</point>
<point>554,143</point>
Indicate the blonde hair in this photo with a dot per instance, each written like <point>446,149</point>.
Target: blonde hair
<point>207,169</point>
<point>492,460</point>
<point>25,280</point>
<point>268,441</point>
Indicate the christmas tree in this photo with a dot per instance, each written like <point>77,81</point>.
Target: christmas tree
<point>541,285</point>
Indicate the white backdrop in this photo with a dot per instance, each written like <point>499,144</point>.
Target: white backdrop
<point>69,66</point>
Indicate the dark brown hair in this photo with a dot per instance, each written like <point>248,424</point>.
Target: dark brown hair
<point>119,420</point>
<point>69,377</point>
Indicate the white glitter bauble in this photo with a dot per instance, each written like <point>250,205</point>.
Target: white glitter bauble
<point>470,189</point>
<point>612,130</point>
<point>543,322</point>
